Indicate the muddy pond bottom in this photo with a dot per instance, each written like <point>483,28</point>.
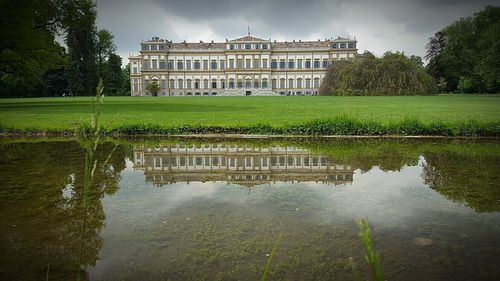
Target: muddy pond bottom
<point>194,210</point>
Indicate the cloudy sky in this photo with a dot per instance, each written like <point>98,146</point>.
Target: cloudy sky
<point>378,25</point>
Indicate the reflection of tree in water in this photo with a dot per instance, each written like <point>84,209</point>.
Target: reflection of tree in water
<point>469,180</point>
<point>42,196</point>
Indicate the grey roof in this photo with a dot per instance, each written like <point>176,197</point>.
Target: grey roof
<point>248,38</point>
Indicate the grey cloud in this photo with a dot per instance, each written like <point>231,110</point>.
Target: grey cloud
<point>379,25</point>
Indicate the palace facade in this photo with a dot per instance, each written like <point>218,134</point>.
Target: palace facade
<point>242,165</point>
<point>240,67</point>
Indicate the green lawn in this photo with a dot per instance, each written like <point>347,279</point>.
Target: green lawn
<point>68,114</point>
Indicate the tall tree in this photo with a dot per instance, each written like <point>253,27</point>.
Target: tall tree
<point>104,47</point>
<point>113,79</point>
<point>126,80</point>
<point>81,38</point>
<point>466,54</point>
<point>27,45</point>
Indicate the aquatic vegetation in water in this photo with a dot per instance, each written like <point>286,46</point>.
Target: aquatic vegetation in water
<point>372,257</point>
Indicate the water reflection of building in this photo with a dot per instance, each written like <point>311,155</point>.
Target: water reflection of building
<point>243,165</point>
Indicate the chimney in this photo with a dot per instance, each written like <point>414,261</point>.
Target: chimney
<point>300,40</point>
<point>212,41</point>
<point>293,40</point>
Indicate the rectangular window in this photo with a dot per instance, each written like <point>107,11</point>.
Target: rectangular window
<point>154,64</point>
<point>316,83</point>
<point>240,84</point>
<point>213,64</point>
<point>264,46</point>
<point>325,63</point>
<point>231,84</point>
<point>308,63</point>
<point>163,65</point>
<point>256,63</point>
<point>256,84</point>
<point>257,46</point>
<point>316,63</point>
<point>180,65</point>
<point>196,64</point>
<point>145,64</point>
<point>154,47</point>
<point>291,64</point>
<point>214,85</point>
<point>197,84</point>
<point>205,84</point>
<point>335,46</point>
<point>223,84</point>
<point>282,64</point>
<point>181,84</point>
<point>170,64</point>
<point>231,46</point>
<point>248,46</point>
<point>274,64</point>
<point>264,84</point>
<point>163,84</point>
<point>172,84</point>
<point>299,63</point>
<point>248,63</point>
<point>299,83</point>
<point>134,70</point>
<point>240,63</point>
<point>231,63</point>
<point>350,45</point>
<point>188,84</point>
<point>205,64</point>
<point>264,63</point>
<point>308,83</point>
<point>145,47</point>
<point>282,83</point>
<point>342,45</point>
<point>273,83</point>
<point>222,64</point>
<point>188,65</point>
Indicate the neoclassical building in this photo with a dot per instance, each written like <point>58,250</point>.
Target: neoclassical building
<point>238,164</point>
<point>240,67</point>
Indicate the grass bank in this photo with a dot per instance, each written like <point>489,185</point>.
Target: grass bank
<point>448,115</point>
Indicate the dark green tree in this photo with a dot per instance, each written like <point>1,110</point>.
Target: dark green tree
<point>467,53</point>
<point>393,74</point>
<point>126,80</point>
<point>113,78</point>
<point>27,45</point>
<point>79,25</point>
<point>104,48</point>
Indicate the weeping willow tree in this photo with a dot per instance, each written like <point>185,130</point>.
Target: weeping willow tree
<point>392,75</point>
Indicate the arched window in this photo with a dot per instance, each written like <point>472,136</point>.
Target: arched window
<point>248,83</point>
<point>264,83</point>
<point>299,83</point>
<point>214,83</point>
<point>316,82</point>
<point>197,83</point>
<point>231,83</point>
<point>273,83</point>
<point>172,84</point>
<point>180,82</point>
<point>205,83</point>
<point>222,84</point>
<point>290,83</point>
<point>188,84</point>
<point>282,83</point>
<point>308,82</point>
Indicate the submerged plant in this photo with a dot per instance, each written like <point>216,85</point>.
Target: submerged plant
<point>372,257</point>
<point>270,259</point>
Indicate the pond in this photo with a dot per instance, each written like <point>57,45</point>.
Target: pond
<point>178,209</point>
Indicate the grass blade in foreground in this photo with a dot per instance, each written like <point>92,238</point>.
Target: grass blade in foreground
<point>372,257</point>
<point>270,259</point>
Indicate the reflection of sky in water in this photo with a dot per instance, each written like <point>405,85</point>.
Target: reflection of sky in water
<point>387,198</point>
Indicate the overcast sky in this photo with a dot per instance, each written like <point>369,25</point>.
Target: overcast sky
<point>378,25</point>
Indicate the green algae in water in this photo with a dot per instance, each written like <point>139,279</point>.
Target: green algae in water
<point>155,216</point>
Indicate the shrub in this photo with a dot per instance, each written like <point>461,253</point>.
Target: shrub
<point>393,74</point>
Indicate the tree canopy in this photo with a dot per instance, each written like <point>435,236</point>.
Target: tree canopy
<point>466,54</point>
<point>393,74</point>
